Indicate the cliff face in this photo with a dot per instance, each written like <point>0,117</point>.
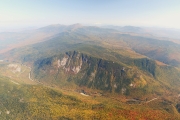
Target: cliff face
<point>71,62</point>
<point>84,70</point>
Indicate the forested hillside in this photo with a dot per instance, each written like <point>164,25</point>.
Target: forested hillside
<point>86,72</point>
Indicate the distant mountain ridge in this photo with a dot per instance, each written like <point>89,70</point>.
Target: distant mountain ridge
<point>161,33</point>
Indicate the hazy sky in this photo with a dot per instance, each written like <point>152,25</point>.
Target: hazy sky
<point>25,13</point>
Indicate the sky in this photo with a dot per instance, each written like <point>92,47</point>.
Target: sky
<point>16,14</point>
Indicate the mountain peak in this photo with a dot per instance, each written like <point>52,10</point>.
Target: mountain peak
<point>75,26</point>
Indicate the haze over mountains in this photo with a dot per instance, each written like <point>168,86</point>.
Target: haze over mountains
<point>161,33</point>
<point>13,40</point>
<point>125,65</point>
<point>9,39</point>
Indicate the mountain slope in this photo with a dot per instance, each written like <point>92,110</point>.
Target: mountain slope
<point>108,45</point>
<point>77,69</point>
<point>164,51</point>
<point>105,69</point>
<point>37,102</point>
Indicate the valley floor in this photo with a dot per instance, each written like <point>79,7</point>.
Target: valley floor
<point>21,98</point>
